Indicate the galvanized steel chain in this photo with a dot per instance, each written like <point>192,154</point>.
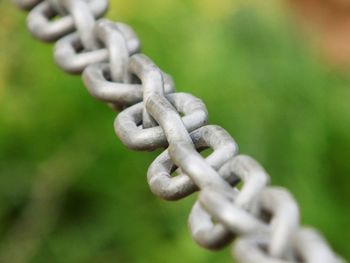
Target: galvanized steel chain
<point>263,219</point>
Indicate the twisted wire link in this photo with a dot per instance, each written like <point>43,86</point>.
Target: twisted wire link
<point>263,219</point>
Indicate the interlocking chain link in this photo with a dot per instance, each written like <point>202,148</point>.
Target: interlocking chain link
<point>263,219</point>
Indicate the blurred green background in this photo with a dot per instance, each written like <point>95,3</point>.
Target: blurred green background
<point>70,192</point>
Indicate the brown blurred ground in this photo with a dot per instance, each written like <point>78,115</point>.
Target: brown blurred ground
<point>327,22</point>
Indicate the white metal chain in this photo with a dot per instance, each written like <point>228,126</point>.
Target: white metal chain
<point>263,219</point>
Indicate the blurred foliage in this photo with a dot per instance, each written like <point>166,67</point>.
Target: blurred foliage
<point>70,192</point>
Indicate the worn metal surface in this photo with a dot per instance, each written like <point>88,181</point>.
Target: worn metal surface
<point>263,219</point>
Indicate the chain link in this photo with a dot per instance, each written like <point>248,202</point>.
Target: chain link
<point>263,219</point>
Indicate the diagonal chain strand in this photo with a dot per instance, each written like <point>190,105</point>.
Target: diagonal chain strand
<point>263,219</point>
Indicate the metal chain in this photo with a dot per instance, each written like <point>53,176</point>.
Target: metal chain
<point>263,219</point>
